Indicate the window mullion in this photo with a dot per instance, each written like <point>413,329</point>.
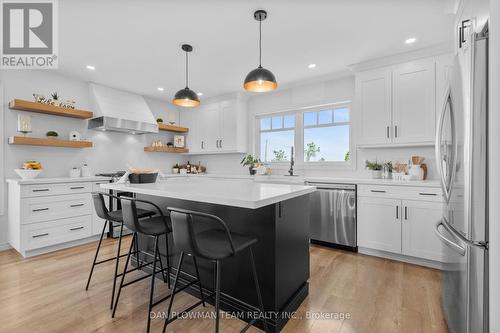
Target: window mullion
<point>299,136</point>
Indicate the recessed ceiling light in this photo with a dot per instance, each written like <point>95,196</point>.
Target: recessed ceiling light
<point>199,94</point>
<point>90,67</point>
<point>311,66</point>
<point>410,40</point>
<point>160,89</point>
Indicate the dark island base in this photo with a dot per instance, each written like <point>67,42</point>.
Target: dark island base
<point>281,257</point>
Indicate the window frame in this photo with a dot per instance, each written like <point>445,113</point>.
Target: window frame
<point>299,135</point>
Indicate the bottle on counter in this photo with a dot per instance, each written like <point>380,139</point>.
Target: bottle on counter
<point>188,167</point>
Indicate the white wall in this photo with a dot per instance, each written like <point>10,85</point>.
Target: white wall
<point>494,162</point>
<point>111,151</point>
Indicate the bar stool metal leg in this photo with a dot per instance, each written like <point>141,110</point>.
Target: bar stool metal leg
<point>217,295</point>
<point>168,260</point>
<point>116,265</point>
<point>179,266</point>
<point>199,281</point>
<point>96,254</point>
<point>123,275</point>
<point>257,288</point>
<point>151,293</point>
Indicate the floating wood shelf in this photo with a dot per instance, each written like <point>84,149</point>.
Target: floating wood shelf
<point>165,149</point>
<point>172,128</point>
<point>22,140</point>
<point>19,104</point>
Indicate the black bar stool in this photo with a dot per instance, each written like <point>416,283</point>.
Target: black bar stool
<point>110,217</point>
<point>154,227</point>
<point>214,245</point>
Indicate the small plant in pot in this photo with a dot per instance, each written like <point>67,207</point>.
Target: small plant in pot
<point>51,135</point>
<point>375,169</point>
<point>250,161</point>
<point>170,145</point>
<point>159,120</point>
<point>176,168</point>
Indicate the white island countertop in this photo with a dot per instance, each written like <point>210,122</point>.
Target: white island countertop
<point>229,192</point>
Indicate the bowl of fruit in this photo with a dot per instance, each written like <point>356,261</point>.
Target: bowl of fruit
<point>30,170</point>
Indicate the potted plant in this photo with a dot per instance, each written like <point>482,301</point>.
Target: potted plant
<point>159,120</point>
<point>375,168</point>
<point>51,134</point>
<point>175,168</point>
<point>250,161</point>
<point>170,145</point>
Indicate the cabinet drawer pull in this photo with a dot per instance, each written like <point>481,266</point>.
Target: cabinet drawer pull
<point>77,205</point>
<point>41,190</point>
<point>39,209</point>
<point>431,194</point>
<point>40,235</point>
<point>76,228</point>
<point>76,187</point>
<point>378,191</point>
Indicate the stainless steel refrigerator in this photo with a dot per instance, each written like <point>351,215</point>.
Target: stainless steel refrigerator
<point>461,155</point>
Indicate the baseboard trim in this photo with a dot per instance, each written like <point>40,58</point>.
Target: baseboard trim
<point>5,247</point>
<point>401,257</point>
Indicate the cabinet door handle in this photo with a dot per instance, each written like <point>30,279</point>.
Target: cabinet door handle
<point>77,205</point>
<point>406,213</point>
<point>39,209</point>
<point>397,212</point>
<point>378,191</point>
<point>41,190</point>
<point>431,194</point>
<point>388,134</point>
<point>202,145</point>
<point>76,187</point>
<point>220,144</point>
<point>396,131</point>
<point>40,235</point>
<point>76,228</point>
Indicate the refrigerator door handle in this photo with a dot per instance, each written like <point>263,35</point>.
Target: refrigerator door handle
<point>480,244</point>
<point>456,247</point>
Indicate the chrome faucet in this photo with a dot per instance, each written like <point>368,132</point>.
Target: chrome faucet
<point>290,171</point>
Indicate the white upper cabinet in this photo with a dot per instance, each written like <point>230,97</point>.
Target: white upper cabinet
<point>414,101</point>
<point>373,91</point>
<point>398,105</point>
<point>219,127</point>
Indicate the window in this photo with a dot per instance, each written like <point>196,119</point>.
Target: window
<point>277,136</point>
<point>324,134</point>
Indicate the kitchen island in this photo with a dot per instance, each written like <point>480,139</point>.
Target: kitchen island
<point>275,214</point>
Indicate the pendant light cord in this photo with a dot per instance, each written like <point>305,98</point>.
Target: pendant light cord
<point>187,69</point>
<point>260,44</point>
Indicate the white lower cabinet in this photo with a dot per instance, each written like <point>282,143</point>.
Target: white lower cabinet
<point>47,217</point>
<point>417,234</point>
<point>399,220</point>
<point>379,226</point>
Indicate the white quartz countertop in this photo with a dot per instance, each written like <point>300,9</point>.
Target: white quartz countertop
<point>301,179</point>
<point>47,180</point>
<point>243,193</point>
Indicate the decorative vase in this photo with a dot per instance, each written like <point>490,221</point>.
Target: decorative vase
<point>175,170</point>
<point>376,174</point>
<point>252,171</point>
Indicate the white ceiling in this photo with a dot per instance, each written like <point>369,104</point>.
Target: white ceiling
<point>135,45</point>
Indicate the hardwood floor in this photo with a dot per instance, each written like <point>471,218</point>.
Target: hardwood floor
<point>47,294</point>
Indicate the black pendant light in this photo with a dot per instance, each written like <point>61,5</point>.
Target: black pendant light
<point>260,79</point>
<point>186,97</point>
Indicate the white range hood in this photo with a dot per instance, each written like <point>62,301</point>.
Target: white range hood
<point>120,111</point>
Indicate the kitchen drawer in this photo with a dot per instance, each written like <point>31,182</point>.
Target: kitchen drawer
<point>54,207</point>
<point>38,235</point>
<point>401,192</point>
<point>96,186</point>
<point>41,190</point>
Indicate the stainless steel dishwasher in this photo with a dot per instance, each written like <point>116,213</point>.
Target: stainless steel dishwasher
<point>333,215</point>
